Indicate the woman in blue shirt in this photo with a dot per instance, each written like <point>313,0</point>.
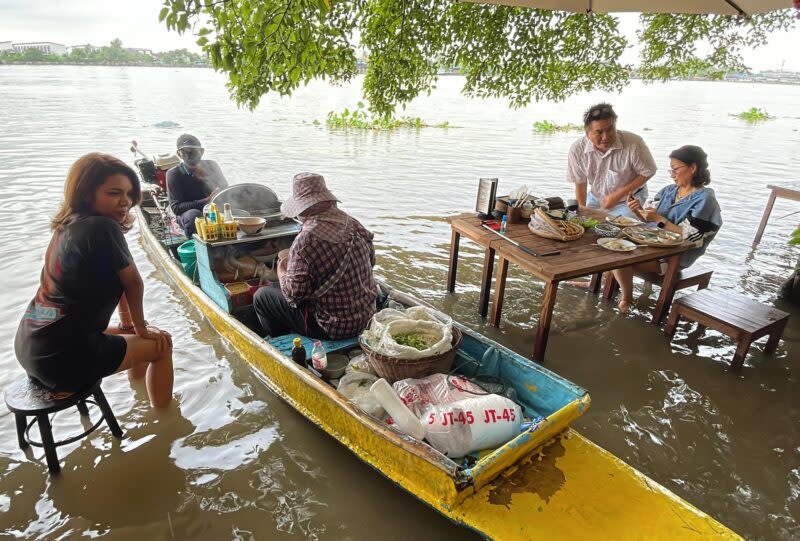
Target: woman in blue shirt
<point>687,207</point>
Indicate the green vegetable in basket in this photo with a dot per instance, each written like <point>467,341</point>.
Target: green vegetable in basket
<point>416,340</point>
<point>586,223</point>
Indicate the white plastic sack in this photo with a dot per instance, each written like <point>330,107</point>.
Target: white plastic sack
<point>440,389</point>
<point>355,386</point>
<point>359,364</point>
<point>485,422</point>
<point>388,323</point>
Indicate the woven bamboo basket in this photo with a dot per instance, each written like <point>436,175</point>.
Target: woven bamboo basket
<point>393,369</point>
<point>544,226</point>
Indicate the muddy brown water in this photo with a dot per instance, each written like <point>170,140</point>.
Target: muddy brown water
<point>232,461</point>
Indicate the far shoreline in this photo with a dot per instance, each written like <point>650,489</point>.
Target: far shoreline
<point>209,66</point>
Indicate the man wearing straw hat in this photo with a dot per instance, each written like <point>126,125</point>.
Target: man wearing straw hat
<point>326,285</point>
<point>192,184</point>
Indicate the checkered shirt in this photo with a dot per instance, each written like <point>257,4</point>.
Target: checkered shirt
<point>316,254</point>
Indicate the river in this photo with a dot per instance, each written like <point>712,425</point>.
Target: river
<point>232,461</point>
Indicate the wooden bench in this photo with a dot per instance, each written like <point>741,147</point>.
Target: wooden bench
<point>742,319</point>
<point>693,276</point>
<point>27,397</point>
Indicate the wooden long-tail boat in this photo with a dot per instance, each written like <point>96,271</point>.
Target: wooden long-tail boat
<point>547,483</point>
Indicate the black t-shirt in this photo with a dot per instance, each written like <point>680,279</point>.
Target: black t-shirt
<point>79,289</point>
<point>186,191</point>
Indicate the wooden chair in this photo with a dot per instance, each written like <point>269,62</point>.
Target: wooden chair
<point>689,277</point>
<point>742,319</point>
<point>26,397</point>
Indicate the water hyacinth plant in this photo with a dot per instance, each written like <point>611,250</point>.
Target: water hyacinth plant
<point>545,126</point>
<point>754,114</point>
<point>359,119</point>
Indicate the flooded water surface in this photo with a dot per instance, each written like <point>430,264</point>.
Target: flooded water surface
<point>232,461</point>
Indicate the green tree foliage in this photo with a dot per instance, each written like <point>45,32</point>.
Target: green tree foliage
<point>684,45</point>
<point>516,53</point>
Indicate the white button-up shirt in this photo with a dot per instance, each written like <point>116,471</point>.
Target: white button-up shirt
<point>625,160</point>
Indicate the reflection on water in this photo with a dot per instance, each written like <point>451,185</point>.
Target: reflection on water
<point>233,461</point>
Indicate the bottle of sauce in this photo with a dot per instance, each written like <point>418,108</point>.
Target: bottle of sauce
<point>213,213</point>
<point>227,213</point>
<point>319,358</point>
<point>299,353</point>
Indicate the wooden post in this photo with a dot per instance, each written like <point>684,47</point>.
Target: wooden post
<point>672,322</point>
<point>741,351</point>
<point>499,290</point>
<point>765,217</point>
<point>545,319</point>
<point>596,282</point>
<point>775,336</point>
<point>455,238</point>
<point>486,281</point>
<point>667,289</point>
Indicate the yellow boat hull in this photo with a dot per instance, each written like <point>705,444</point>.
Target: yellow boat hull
<point>568,489</point>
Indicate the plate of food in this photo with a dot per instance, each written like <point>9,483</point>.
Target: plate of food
<point>616,245</point>
<point>623,221</point>
<point>653,236</point>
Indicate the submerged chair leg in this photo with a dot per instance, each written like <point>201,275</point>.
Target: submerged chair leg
<point>49,445</point>
<point>21,422</point>
<point>108,415</point>
<point>83,408</point>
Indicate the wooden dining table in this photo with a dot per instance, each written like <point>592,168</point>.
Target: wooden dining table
<point>787,191</point>
<point>582,257</point>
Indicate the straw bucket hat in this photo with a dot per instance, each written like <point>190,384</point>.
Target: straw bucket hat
<point>308,189</point>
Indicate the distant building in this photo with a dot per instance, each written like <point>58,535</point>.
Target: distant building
<point>47,47</point>
<point>6,46</point>
<point>148,52</point>
<point>88,48</point>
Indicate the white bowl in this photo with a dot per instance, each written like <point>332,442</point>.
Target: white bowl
<point>251,225</point>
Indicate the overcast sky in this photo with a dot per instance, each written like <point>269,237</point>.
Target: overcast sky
<point>136,23</point>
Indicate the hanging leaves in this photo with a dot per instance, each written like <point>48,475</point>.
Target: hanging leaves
<point>515,53</point>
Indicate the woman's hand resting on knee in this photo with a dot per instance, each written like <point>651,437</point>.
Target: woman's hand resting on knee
<point>162,338</point>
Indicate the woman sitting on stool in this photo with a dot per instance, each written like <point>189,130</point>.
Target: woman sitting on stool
<point>63,339</point>
<point>687,207</point>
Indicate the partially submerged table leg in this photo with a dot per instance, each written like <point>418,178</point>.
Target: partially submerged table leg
<point>545,318</point>
<point>486,281</point>
<point>667,289</point>
<point>455,238</point>
<point>499,290</point>
<point>765,217</point>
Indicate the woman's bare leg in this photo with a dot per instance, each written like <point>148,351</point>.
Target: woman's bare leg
<point>143,356</point>
<point>137,372</point>
<point>624,278</point>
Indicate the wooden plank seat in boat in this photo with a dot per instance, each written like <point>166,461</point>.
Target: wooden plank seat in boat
<point>695,275</point>
<point>742,319</point>
<point>26,397</point>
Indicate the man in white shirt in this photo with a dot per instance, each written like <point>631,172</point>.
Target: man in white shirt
<point>612,163</point>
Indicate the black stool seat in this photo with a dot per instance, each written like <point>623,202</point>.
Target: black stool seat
<point>26,397</point>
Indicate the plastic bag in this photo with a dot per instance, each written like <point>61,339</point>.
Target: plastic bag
<point>355,386</point>
<point>485,422</point>
<point>360,364</point>
<point>440,389</point>
<point>434,328</point>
